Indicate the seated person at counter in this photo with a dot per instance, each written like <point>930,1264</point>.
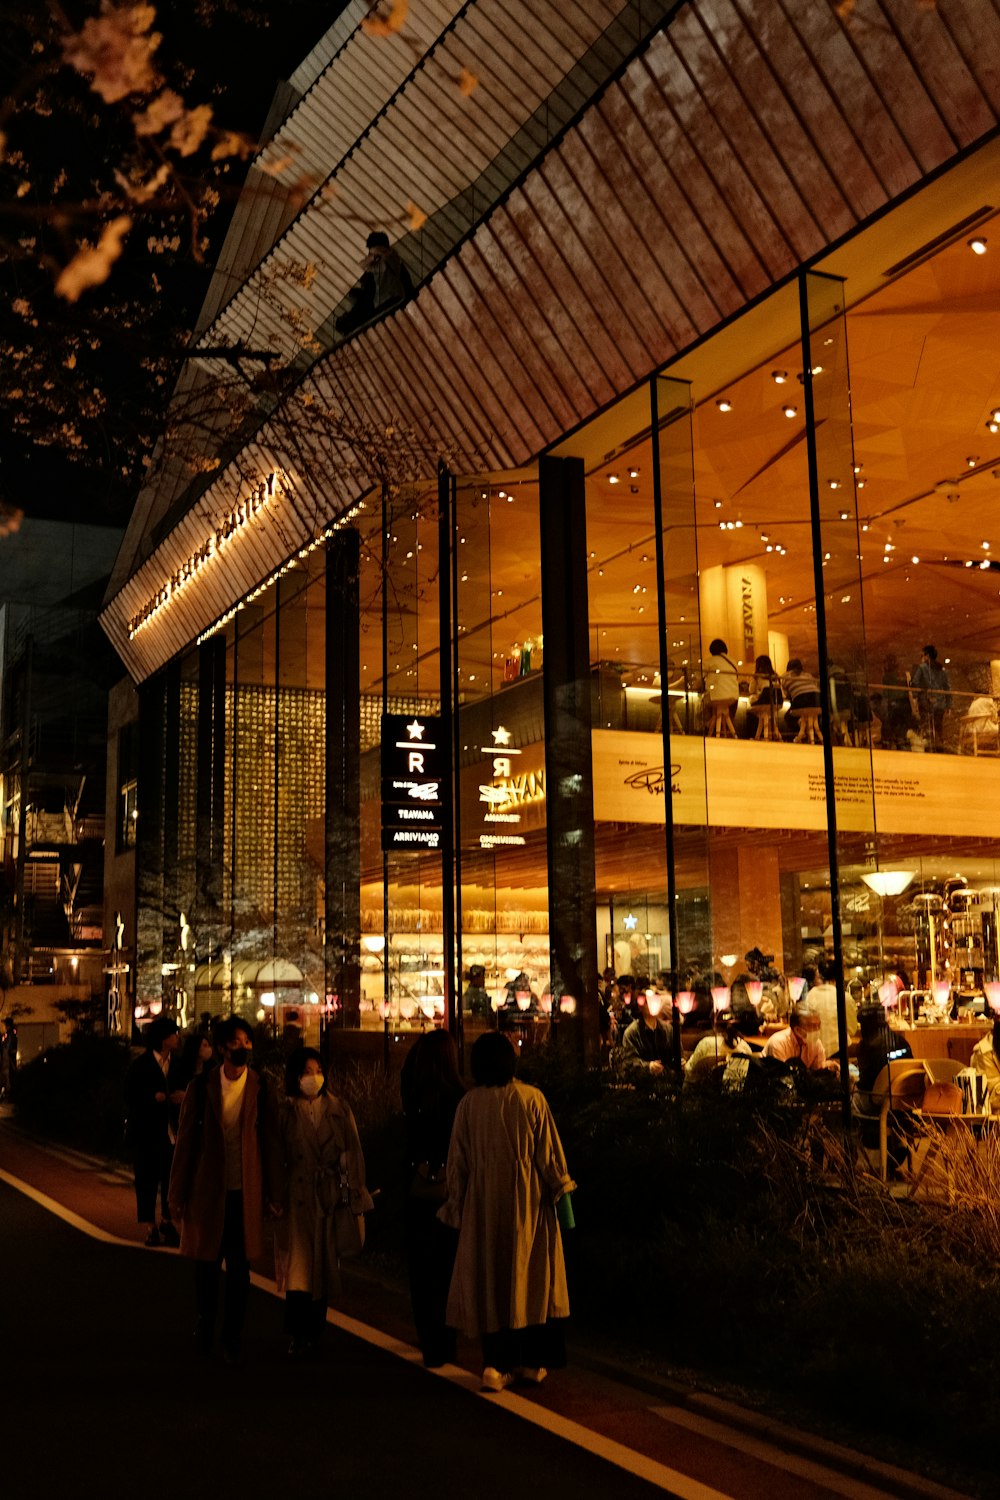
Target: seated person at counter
<point>722,690</point>
<point>802,691</point>
<point>986,1059</point>
<point>713,1050</point>
<point>800,1040</point>
<point>646,1045</point>
<point>878,1044</point>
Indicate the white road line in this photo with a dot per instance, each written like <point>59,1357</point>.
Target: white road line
<point>633,1462</point>
<point>66,1214</point>
<point>792,1463</point>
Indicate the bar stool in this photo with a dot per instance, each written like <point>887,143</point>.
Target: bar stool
<point>767,720</point>
<point>719,721</point>
<point>809,726</point>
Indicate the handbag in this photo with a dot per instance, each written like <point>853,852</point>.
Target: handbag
<point>348,1227</point>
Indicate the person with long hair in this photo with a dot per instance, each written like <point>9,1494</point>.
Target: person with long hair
<point>431,1087</point>
<point>324,1166</point>
<point>506,1175</point>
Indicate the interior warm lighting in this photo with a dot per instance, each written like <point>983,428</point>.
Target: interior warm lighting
<point>724,404</point>
<point>941,989</point>
<point>796,984</point>
<point>779,376</point>
<point>888,994</point>
<point>654,1002</point>
<point>614,479</point>
<point>790,411</point>
<point>567,1004</point>
<point>720,997</point>
<point>373,942</point>
<point>991,990</point>
<point>888,882</point>
<point>686,1001</point>
<point>268,1000</point>
<point>978,245</point>
<point>755,992</point>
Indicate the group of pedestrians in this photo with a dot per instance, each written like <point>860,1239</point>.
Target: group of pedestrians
<point>488,1192</point>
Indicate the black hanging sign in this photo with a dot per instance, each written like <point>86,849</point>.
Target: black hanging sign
<point>414,766</point>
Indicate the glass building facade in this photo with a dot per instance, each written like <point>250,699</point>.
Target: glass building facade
<point>711,677</point>
<point>554,624</point>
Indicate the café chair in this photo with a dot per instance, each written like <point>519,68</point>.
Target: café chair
<point>900,1086</point>
<point>978,735</point>
<point>943,1069</point>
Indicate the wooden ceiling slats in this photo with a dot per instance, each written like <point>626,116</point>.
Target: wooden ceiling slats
<point>748,134</point>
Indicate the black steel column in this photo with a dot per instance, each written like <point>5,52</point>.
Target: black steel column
<point>569,782</point>
<point>449,798</point>
<point>149,954</point>
<point>211,779</point>
<point>343,777</point>
<point>171,911</point>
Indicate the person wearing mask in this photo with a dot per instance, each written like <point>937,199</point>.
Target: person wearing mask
<point>431,1088</point>
<point>151,1092</point>
<point>225,1169</point>
<point>932,685</point>
<point>646,1045</point>
<point>508,1192</point>
<point>800,1041</point>
<point>323,1166</point>
<point>722,691</point>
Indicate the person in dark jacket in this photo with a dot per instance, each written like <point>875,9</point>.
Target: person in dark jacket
<point>431,1088</point>
<point>226,1168</point>
<point>646,1045</point>
<point>150,1091</point>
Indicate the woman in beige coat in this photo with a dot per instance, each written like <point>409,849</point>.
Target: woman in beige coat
<point>506,1173</point>
<point>324,1166</point>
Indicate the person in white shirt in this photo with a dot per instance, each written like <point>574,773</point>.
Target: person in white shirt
<point>823,1000</point>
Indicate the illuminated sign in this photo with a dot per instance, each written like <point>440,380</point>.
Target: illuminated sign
<point>502,795</point>
<point>241,513</point>
<point>414,767</point>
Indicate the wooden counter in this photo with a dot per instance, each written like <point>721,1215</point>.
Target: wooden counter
<point>954,1039</point>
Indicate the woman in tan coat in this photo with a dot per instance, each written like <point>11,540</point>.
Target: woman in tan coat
<point>324,1167</point>
<point>506,1173</point>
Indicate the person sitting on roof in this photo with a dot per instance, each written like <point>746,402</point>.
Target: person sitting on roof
<point>385,282</point>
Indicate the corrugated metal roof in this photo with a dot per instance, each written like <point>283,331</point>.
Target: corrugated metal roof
<point>747,137</point>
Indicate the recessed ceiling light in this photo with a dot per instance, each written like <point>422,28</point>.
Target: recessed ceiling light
<point>614,479</point>
<point>633,473</point>
<point>790,411</point>
<point>724,403</point>
<point>972,461</point>
<point>978,245</point>
<point>779,376</point>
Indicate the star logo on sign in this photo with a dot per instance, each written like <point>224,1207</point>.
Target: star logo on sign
<point>415,730</point>
<point>631,923</point>
<point>501,736</point>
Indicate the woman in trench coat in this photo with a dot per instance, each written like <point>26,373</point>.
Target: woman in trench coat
<point>506,1173</point>
<point>324,1166</point>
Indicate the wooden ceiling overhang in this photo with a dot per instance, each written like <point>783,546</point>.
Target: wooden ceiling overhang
<point>745,140</point>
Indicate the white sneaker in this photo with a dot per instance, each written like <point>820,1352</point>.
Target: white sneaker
<point>492,1380</point>
<point>533,1377</point>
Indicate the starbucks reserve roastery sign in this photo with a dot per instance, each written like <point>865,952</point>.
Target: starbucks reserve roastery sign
<point>414,771</point>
